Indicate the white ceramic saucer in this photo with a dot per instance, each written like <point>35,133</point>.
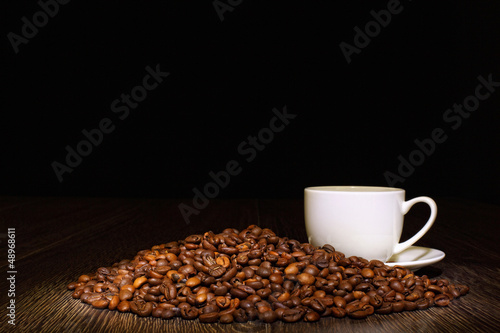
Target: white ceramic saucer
<point>416,257</point>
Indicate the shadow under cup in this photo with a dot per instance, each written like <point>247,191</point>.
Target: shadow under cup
<point>360,221</point>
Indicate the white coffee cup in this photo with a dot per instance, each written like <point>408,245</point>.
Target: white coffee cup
<point>362,221</point>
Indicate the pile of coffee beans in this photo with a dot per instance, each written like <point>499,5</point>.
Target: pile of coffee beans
<point>238,276</point>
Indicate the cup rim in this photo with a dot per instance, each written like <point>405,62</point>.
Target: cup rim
<point>352,189</point>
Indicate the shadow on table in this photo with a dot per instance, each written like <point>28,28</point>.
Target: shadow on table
<point>430,271</point>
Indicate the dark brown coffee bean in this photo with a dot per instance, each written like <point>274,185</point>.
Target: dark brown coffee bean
<point>435,289</point>
<point>340,302</point>
<point>189,312</point>
<point>256,285</point>
<point>422,303</point>
<point>398,306</point>
<point>168,314</point>
<point>123,306</point>
<point>413,296</point>
<point>339,312</point>
<point>311,269</point>
<point>264,272</point>
<point>292,315</point>
<point>238,293</point>
<point>157,312</point>
<point>365,287</point>
<point>254,274</point>
<point>367,273</point>
<point>376,301</point>
<point>252,314</point>
<point>226,319</point>
<point>84,278</point>
<point>240,316</point>
<point>462,289</point>
<point>113,303</point>
<point>268,316</point>
<point>386,308</point>
<point>345,286</point>
<point>442,300</point>
<point>100,303</point>
<point>211,317</point>
<point>220,290</point>
<point>305,279</point>
<point>312,316</point>
<point>141,308</point>
<point>77,293</point>
<point>249,273</point>
<point>379,281</point>
<point>397,286</point>
<point>247,289</point>
<point>399,297</point>
<point>454,291</point>
<point>254,254</point>
<point>317,306</point>
<point>410,306</point>
<point>276,278</point>
<point>194,239</point>
<point>264,293</point>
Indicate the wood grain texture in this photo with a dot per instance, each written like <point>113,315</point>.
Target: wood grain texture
<point>58,239</point>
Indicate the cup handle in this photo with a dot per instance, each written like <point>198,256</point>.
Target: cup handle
<point>405,208</point>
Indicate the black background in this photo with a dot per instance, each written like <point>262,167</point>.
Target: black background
<point>353,120</point>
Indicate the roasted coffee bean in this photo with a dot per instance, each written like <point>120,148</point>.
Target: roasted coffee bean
<point>442,300</point>
<point>292,315</point>
<point>226,319</point>
<point>211,317</point>
<point>311,269</point>
<point>339,302</point>
<point>240,316</point>
<point>139,281</point>
<point>123,306</point>
<point>264,272</point>
<point>462,289</point>
<point>422,304</point>
<point>167,314</point>
<point>264,293</point>
<point>410,306</point>
<point>252,313</point>
<point>157,312</point>
<point>397,286</point>
<point>268,316</point>
<point>189,312</point>
<point>317,306</point>
<point>100,303</point>
<point>339,312</point>
<point>435,289</point>
<point>312,316</point>
<point>376,301</point>
<point>398,306</point>
<point>254,274</point>
<point>305,279</point>
<point>141,308</point>
<point>345,285</point>
<point>255,284</point>
<point>386,308</point>
<point>238,293</point>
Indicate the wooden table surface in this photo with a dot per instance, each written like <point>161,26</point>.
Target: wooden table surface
<point>58,239</point>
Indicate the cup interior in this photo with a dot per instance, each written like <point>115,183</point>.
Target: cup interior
<point>356,189</point>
